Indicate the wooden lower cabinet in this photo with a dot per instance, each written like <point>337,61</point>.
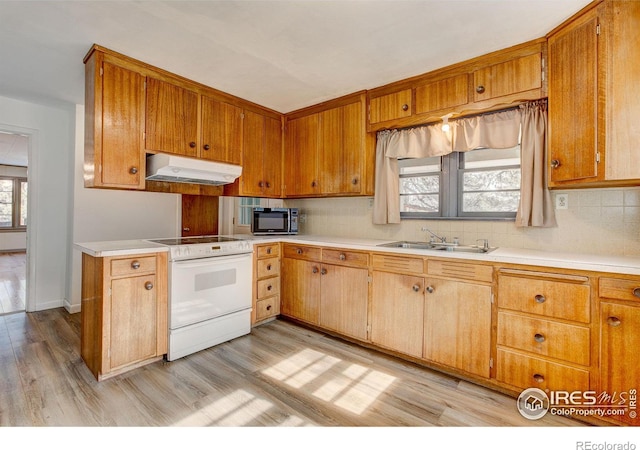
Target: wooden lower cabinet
<point>397,312</point>
<point>124,312</point>
<point>301,290</point>
<point>457,325</point>
<point>266,296</point>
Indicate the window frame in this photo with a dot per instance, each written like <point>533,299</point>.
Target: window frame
<point>451,192</point>
<point>16,204</point>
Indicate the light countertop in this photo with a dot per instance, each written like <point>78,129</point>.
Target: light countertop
<point>563,260</point>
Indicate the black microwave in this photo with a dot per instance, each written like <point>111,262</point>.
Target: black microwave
<point>274,221</point>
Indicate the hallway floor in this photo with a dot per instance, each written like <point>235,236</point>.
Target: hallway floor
<point>12,282</point>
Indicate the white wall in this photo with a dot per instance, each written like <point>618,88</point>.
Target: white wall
<point>51,146</point>
<point>105,215</point>
<point>597,221</point>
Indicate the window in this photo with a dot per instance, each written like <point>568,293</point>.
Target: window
<point>13,203</point>
<point>483,183</point>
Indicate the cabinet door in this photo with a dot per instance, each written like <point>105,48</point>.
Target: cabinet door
<point>301,289</point>
<point>458,325</point>
<point>262,156</point>
<point>272,157</point>
<point>221,131</point>
<point>397,312</point>
<point>133,320</point>
<point>343,304</point>
<point>391,106</point>
<point>341,150</point>
<point>573,101</point>
<point>620,361</point>
<point>301,158</point>
<point>122,130</point>
<point>442,94</point>
<point>171,119</point>
<point>199,215</point>
<point>509,77</point>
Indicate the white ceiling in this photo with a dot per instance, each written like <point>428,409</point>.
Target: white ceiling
<point>284,55</point>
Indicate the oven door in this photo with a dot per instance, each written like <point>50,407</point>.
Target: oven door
<point>207,288</point>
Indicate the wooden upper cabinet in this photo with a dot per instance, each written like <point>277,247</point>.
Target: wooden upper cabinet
<point>171,118</point>
<point>486,83</point>
<point>516,75</point>
<point>301,156</point>
<point>114,124</point>
<point>573,101</point>
<point>221,131</point>
<point>390,106</point>
<point>261,157</point>
<point>442,94</point>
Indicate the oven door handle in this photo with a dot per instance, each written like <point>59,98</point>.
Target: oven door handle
<point>202,262</point>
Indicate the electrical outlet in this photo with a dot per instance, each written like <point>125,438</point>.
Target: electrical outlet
<point>562,201</point>
<point>302,218</point>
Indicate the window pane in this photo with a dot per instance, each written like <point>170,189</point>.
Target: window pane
<point>491,180</point>
<point>491,157</point>
<point>421,203</point>
<point>490,201</point>
<point>6,203</point>
<point>420,185</point>
<point>23,203</point>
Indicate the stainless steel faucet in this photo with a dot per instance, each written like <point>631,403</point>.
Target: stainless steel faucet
<point>434,236</point>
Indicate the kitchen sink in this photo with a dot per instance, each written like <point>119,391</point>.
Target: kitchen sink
<point>437,246</point>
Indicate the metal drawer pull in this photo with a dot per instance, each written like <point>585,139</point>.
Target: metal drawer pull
<point>269,287</point>
<point>135,265</point>
<point>614,321</point>
<point>269,251</point>
<point>480,89</point>
<point>342,257</point>
<point>323,271</point>
<point>268,266</point>
<point>405,107</point>
<point>133,170</point>
<point>430,289</point>
<point>268,307</point>
<point>299,251</point>
<point>636,292</point>
<point>540,298</point>
<point>538,378</point>
<point>416,288</point>
<point>148,285</point>
<point>539,337</point>
<point>315,270</point>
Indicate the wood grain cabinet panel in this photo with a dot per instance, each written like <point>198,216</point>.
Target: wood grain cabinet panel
<point>391,106</point>
<point>516,75</point>
<point>221,137</point>
<point>301,157</point>
<point>442,94</point>
<point>267,282</point>
<point>114,125</point>
<point>301,289</point>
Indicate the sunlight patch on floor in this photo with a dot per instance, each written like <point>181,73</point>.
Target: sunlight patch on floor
<point>354,388</point>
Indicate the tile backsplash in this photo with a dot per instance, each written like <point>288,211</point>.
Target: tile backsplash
<point>596,221</point>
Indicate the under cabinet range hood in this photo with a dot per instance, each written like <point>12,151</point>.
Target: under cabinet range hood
<point>178,169</point>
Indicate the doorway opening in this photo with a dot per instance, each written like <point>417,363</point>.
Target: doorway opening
<point>14,149</point>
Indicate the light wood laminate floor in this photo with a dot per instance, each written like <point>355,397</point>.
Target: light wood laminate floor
<point>12,282</point>
<point>279,375</point>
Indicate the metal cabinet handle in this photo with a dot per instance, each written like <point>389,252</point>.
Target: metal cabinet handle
<point>416,288</point>
<point>206,146</point>
<point>539,337</point>
<point>555,163</point>
<point>540,298</point>
<point>269,287</point>
<point>135,265</point>
<point>354,181</point>
<point>614,321</point>
<point>269,251</point>
<point>405,107</point>
<point>268,266</point>
<point>148,285</point>
<point>267,184</point>
<point>192,144</point>
<point>299,251</point>
<point>260,184</point>
<point>636,292</point>
<point>430,289</point>
<point>314,184</point>
<point>323,271</point>
<point>186,229</point>
<point>268,307</point>
<point>342,257</point>
<point>315,270</point>
<point>480,89</point>
<point>133,170</point>
<point>538,378</point>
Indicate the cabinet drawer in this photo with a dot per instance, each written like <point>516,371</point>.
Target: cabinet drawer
<point>524,372</point>
<point>350,258</point>
<point>267,250</point>
<point>399,264</point>
<point>619,289</point>
<point>268,267</point>
<point>133,265</point>
<point>545,337</point>
<point>390,106</point>
<point>447,93</point>
<point>269,307</point>
<point>268,286</point>
<point>453,269</point>
<point>302,252</point>
<point>558,299</point>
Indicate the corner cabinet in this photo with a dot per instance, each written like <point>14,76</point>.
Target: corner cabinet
<point>124,312</point>
<point>327,150</point>
<point>594,68</point>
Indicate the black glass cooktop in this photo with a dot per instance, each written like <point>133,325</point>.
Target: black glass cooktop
<point>193,240</point>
